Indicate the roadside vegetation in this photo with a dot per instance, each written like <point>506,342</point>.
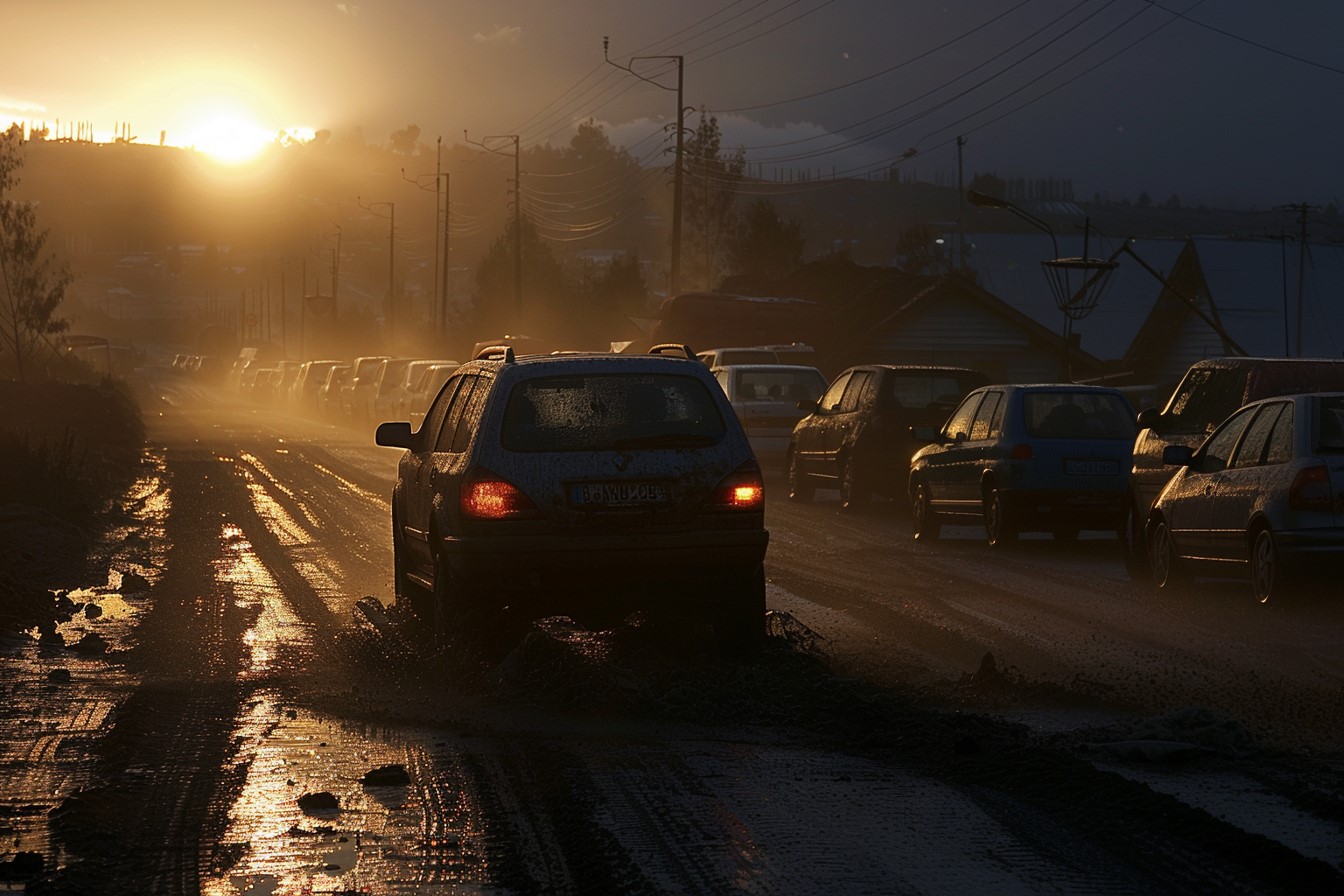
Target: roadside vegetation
<point>68,451</point>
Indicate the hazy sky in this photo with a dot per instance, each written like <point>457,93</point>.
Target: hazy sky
<point>1224,102</point>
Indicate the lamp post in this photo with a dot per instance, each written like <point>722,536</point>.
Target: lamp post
<point>1094,273</point>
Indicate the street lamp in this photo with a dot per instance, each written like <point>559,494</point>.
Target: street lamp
<point>1091,275</point>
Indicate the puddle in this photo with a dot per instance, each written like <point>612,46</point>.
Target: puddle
<point>381,839</point>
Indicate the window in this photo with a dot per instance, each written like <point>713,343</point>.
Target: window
<point>959,424</point>
<point>982,427</point>
<point>1252,450</point>
<point>448,433</point>
<point>853,396</point>
<point>1218,449</point>
<point>433,422</point>
<point>1331,437</point>
<point>1078,415</point>
<point>1205,398</point>
<point>830,402</point>
<point>592,412</point>
<point>1280,447</point>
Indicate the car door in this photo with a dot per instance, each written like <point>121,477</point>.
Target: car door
<point>1268,443</point>
<point>844,423</point>
<point>810,438</point>
<point>947,483</point>
<point>436,434</point>
<point>1190,498</point>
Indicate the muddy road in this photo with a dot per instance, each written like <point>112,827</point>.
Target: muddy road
<point>260,723</point>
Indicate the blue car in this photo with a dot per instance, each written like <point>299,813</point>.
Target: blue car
<point>1042,458</point>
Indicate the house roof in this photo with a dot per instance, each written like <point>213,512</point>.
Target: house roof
<point>1254,285</point>
<point>1009,266</point>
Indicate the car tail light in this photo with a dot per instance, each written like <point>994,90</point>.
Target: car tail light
<point>1020,452</point>
<point>743,489</point>
<point>1311,490</point>
<point>487,496</point>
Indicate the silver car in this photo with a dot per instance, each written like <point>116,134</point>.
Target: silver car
<point>1263,497</point>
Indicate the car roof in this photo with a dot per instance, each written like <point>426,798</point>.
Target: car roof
<point>916,368</point>
<point>767,367</point>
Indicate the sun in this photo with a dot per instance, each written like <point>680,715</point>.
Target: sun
<point>230,138</point>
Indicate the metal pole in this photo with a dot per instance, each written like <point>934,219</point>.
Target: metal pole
<point>443,289</point>
<point>674,285</point>
<point>517,235</point>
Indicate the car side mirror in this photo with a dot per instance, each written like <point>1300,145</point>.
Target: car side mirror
<point>1149,418</point>
<point>394,435</point>
<point>1177,455</point>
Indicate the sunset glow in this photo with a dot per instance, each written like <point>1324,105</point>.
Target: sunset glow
<point>230,138</point>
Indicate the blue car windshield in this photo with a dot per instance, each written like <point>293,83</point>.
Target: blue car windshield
<point>1078,415</point>
<point>604,411</point>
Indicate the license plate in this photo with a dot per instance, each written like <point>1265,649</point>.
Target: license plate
<point>1082,467</point>
<point>619,494</point>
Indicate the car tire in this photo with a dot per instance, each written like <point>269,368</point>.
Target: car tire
<point>927,525</point>
<point>1267,573</point>
<point>1164,561</point>
<point>1134,544</point>
<point>1000,523</point>
<point>801,488</point>
<point>854,494</point>
<point>739,617</point>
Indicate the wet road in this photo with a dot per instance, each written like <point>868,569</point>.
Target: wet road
<point>224,744</point>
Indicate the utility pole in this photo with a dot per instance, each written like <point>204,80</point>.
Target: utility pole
<point>674,279</point>
<point>391,265</point>
<point>961,211</point>
<point>517,220</point>
<point>1302,209</point>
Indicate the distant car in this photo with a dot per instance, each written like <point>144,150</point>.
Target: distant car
<point>1052,458</point>
<point>856,438</point>
<point>303,392</point>
<point>765,398</point>
<point>329,393</point>
<point>1206,396</point>
<point>792,353</point>
<point>361,387</point>
<point>393,401</point>
<point>1263,496</point>
<point>591,485</point>
<point>426,387</point>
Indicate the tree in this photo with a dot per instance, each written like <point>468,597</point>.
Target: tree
<point>406,140</point>
<point>709,190</point>
<point>765,245</point>
<point>33,286</point>
<point>544,287</point>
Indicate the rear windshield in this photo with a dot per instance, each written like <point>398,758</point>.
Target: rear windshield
<point>780,385</point>
<point>924,390</point>
<point>1078,415</point>
<point>1332,425</point>
<point>604,411</point>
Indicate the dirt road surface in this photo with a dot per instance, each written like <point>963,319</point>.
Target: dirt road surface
<point>261,723</point>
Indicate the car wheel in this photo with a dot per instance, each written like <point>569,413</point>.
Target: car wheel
<point>1133,544</point>
<point>448,617</point>
<point>800,484</point>
<point>1163,559</point>
<point>739,617</point>
<point>853,494</point>
<point>1000,526</point>
<point>1267,577</point>
<point>927,525</point>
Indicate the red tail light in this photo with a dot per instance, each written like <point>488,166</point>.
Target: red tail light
<point>1020,452</point>
<point>743,489</point>
<point>486,496</point>
<point>1311,490</point>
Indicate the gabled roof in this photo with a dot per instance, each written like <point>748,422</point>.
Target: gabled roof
<point>1254,284</point>
<point>1009,266</point>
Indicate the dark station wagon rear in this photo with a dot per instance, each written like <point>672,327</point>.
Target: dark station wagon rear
<point>589,485</point>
